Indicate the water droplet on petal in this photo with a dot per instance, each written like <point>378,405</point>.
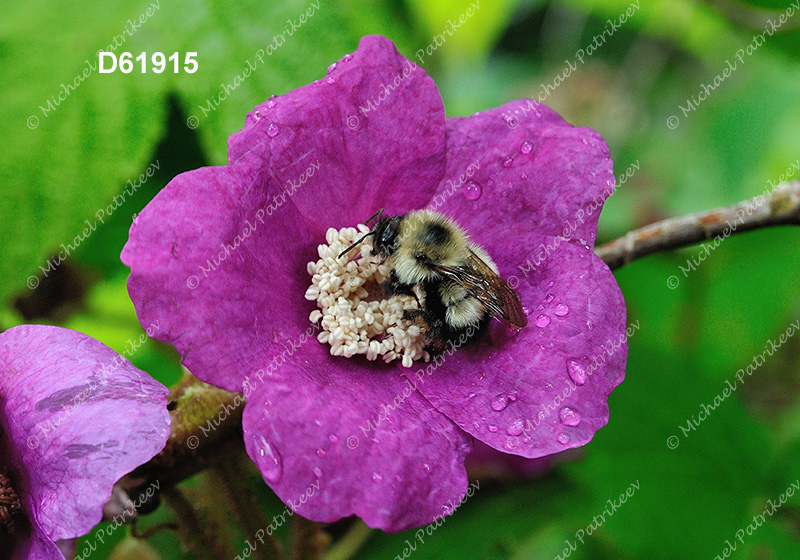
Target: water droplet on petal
<point>563,439</point>
<point>499,403</point>
<point>330,80</point>
<point>492,428</point>
<point>512,397</point>
<point>472,191</point>
<point>551,284</point>
<point>585,141</point>
<point>271,102</point>
<point>256,116</point>
<point>569,417</point>
<point>515,428</point>
<point>333,438</point>
<point>524,176</point>
<point>549,298</point>
<point>376,477</point>
<point>526,148</point>
<point>489,183</point>
<point>331,68</point>
<point>269,460</point>
<point>542,320</point>
<point>317,472</point>
<point>347,57</point>
<point>321,452</point>
<point>561,310</point>
<point>576,372</point>
<point>526,310</point>
<point>508,162</point>
<point>272,130</point>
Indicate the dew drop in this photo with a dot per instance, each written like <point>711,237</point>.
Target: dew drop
<point>526,310</point>
<point>515,428</point>
<point>524,176</point>
<point>585,141</point>
<point>512,397</point>
<point>563,439</point>
<point>271,101</point>
<point>561,310</point>
<point>542,320</point>
<point>321,452</point>
<point>576,372</point>
<point>333,438</point>
<point>492,428</point>
<point>569,417</point>
<point>508,162</point>
<point>499,403</point>
<point>489,183</point>
<point>549,297</point>
<point>256,116</point>
<point>318,472</point>
<point>272,130</point>
<point>473,191</point>
<point>509,185</point>
<point>526,148</point>
<point>330,80</point>
<point>347,57</point>
<point>376,477</point>
<point>269,460</point>
<point>552,283</point>
<point>332,67</point>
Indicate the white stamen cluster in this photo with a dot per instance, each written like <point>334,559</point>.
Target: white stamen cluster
<point>356,317</point>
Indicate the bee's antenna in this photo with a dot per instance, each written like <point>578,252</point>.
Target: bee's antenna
<point>343,253</point>
<point>376,216</point>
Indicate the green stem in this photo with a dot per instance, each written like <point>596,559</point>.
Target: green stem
<point>195,534</point>
<point>232,481</point>
<point>350,544</point>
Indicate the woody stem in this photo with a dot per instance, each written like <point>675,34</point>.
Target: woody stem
<point>778,208</point>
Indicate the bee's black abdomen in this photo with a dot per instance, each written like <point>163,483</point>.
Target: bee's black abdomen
<point>443,336</point>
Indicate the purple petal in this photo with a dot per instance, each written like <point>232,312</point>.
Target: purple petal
<point>545,388</point>
<point>353,438</point>
<point>487,462</point>
<point>223,278</point>
<point>78,417</point>
<point>36,546</point>
<point>376,126</point>
<point>542,176</point>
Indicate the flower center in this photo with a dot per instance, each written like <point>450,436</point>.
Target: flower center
<point>10,507</point>
<point>354,314</point>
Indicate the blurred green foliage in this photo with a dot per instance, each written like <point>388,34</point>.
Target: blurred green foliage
<point>70,165</point>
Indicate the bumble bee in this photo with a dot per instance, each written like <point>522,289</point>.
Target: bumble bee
<point>462,288</point>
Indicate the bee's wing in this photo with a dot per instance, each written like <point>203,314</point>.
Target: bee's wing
<point>482,283</point>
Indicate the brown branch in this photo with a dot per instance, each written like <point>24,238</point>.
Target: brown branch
<point>779,208</point>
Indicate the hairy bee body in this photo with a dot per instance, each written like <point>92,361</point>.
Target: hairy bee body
<point>462,288</point>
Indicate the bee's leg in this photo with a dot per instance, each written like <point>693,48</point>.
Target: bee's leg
<point>413,314</point>
<point>393,287</point>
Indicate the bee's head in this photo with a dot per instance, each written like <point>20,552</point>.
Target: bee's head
<point>385,232</point>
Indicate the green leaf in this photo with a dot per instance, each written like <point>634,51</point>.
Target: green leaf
<point>65,170</point>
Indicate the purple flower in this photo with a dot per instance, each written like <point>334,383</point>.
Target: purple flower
<point>74,418</point>
<point>219,257</point>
